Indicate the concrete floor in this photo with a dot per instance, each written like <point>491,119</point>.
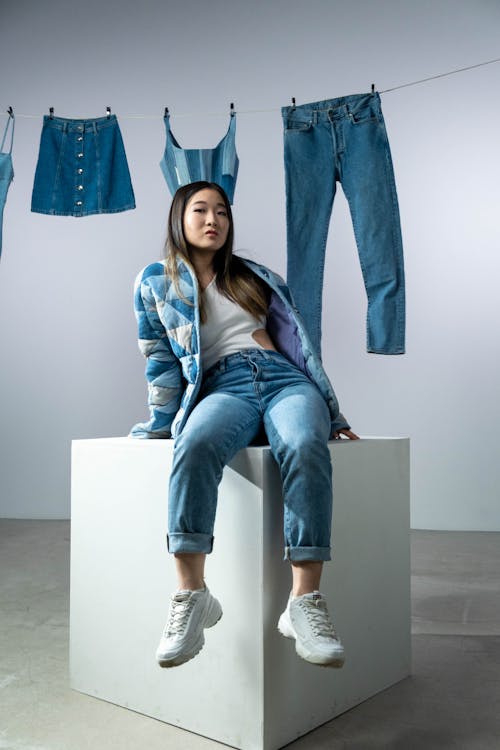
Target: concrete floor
<point>452,699</point>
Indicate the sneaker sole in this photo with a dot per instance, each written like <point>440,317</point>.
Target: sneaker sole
<point>286,628</point>
<point>214,614</point>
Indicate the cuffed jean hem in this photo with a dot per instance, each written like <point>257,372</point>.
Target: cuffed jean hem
<point>307,554</point>
<point>191,543</point>
<point>396,350</point>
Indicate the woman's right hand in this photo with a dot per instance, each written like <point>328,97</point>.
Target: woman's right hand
<point>348,433</point>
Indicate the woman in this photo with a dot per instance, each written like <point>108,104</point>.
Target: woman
<point>227,356</point>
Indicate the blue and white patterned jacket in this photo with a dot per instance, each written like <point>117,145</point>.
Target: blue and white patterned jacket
<point>169,338</point>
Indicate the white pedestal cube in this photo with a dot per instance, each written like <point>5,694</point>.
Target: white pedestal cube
<point>247,687</point>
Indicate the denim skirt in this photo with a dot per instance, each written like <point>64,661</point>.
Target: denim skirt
<point>82,168</point>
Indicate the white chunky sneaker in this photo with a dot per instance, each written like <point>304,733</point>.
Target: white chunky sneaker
<point>190,612</point>
<point>306,619</point>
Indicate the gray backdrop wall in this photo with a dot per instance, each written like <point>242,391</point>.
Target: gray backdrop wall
<point>70,366</point>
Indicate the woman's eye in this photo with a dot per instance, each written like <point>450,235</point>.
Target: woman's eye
<point>222,213</point>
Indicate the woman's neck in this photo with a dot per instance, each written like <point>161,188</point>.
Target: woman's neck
<point>204,269</point>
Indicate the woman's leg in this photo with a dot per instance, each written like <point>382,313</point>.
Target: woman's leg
<point>297,423</point>
<point>190,567</point>
<point>218,427</point>
<point>306,576</point>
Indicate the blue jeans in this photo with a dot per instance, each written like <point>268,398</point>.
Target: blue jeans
<point>241,394</point>
<point>344,140</point>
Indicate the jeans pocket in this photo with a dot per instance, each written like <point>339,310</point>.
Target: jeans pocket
<point>297,126</point>
<point>365,113</point>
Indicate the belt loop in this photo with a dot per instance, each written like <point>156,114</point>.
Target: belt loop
<point>94,127</point>
<point>65,127</point>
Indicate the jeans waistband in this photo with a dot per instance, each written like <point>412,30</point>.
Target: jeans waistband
<point>79,126</point>
<point>330,108</point>
<point>245,355</point>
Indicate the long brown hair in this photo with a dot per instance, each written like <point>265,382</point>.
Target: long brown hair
<point>233,278</point>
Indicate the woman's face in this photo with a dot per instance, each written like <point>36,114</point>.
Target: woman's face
<point>206,223</point>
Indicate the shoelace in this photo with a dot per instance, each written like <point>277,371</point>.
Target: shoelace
<point>180,609</point>
<point>317,616</point>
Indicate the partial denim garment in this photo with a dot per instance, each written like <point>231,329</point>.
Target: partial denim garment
<point>82,168</point>
<point>6,170</point>
<point>241,394</point>
<point>344,140</point>
<point>181,166</point>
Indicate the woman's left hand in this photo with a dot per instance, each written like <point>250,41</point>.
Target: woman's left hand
<point>348,433</point>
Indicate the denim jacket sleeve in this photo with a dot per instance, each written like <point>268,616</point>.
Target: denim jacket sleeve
<point>163,369</point>
<point>340,423</point>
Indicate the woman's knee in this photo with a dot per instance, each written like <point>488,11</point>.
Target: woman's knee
<point>193,448</point>
<point>305,446</point>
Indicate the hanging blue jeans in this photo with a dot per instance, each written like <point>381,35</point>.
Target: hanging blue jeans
<point>344,140</point>
<point>6,170</point>
<point>240,394</point>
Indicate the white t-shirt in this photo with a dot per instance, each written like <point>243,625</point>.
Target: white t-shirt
<point>228,328</point>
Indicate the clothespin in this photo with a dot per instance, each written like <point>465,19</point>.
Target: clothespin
<point>51,113</point>
<point>10,112</point>
<point>108,112</point>
<point>293,102</point>
<point>231,109</point>
<point>166,112</point>
<point>373,88</point>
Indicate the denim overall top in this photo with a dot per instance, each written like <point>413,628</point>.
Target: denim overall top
<point>220,164</point>
<point>6,170</point>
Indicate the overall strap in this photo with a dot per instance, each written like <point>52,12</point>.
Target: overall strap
<point>232,124</point>
<point>170,136</point>
<point>229,162</point>
<point>168,132</point>
<point>11,119</point>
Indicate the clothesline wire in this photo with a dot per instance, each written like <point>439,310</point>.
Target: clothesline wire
<point>441,75</point>
<point>278,109</point>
